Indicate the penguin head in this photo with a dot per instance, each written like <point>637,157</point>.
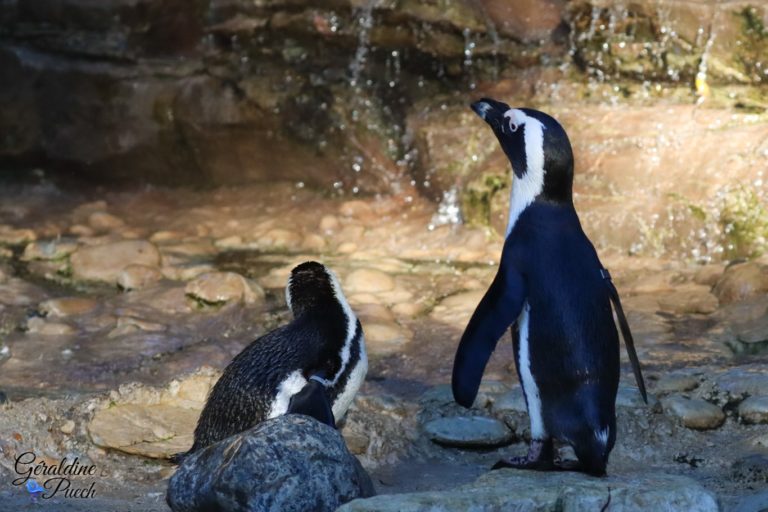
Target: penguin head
<point>312,285</point>
<point>536,145</point>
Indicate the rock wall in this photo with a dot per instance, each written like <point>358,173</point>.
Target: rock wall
<point>328,93</point>
<point>216,91</point>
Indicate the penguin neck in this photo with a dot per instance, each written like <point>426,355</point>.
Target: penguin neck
<point>330,319</point>
<point>524,191</point>
<point>528,190</point>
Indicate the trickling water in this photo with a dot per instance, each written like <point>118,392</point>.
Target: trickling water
<point>365,23</point>
<point>702,88</point>
<point>393,69</point>
<point>469,48</point>
<point>448,211</point>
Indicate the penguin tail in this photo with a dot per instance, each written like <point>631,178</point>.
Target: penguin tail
<point>178,458</point>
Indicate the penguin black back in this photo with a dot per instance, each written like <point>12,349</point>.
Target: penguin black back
<point>319,355</point>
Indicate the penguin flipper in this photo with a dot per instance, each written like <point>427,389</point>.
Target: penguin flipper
<point>499,308</point>
<point>313,401</point>
<point>629,342</point>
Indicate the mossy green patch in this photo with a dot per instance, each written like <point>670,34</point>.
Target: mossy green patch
<point>752,50</point>
<point>744,219</point>
<point>477,199</point>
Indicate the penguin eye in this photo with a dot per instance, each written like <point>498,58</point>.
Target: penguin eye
<point>512,126</point>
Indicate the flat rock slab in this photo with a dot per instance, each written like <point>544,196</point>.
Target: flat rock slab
<point>525,491</point>
<point>155,431</point>
<point>105,262</point>
<point>693,412</point>
<point>469,432</point>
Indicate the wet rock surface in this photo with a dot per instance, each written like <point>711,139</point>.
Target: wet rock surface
<point>292,462</point>
<point>694,413</point>
<point>524,490</point>
<point>469,432</point>
<point>69,346</point>
<point>106,262</point>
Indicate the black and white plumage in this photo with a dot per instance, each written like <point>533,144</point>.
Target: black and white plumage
<point>552,289</point>
<point>314,365</point>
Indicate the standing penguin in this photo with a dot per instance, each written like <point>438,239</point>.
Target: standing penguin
<point>313,366</point>
<point>553,288</point>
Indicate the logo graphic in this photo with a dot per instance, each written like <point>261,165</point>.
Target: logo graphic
<point>68,479</point>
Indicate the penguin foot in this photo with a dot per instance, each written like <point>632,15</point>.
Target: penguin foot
<point>524,463</point>
<point>567,465</point>
<point>540,457</point>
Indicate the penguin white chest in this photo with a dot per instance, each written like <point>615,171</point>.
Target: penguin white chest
<point>532,397</point>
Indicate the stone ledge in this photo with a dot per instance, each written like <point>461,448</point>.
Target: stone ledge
<point>530,490</point>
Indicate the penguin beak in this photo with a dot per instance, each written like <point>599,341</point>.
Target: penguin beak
<point>490,111</point>
<point>482,108</point>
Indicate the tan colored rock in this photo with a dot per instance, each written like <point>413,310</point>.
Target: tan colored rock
<point>67,306</point>
<point>694,413</point>
<point>186,272</point>
<point>134,277</point>
<point>409,309</point>
<point>159,237</point>
<point>358,299</point>
<point>687,299</point>
<point>168,300</point>
<point>48,250</point>
<point>191,391</point>
<point>12,236</point>
<point>67,427</point>
<point>329,223</point>
<point>153,422</point>
<point>131,324</point>
<point>190,249</point>
<point>280,239</point>
<point>40,326</point>
<point>347,248</point>
<point>277,277</point>
<point>525,20</point>
<point>396,296</point>
<point>456,309</point>
<point>105,262</point>
<point>675,383</point>
<point>80,230</point>
<point>366,280</point>
<point>708,275</point>
<point>155,431</point>
<point>220,287</point>
<point>385,338</point>
<point>313,242</point>
<point>103,221</point>
<point>742,281</point>
<point>355,208</point>
<point>655,282</point>
<point>351,232</point>
<point>230,242</point>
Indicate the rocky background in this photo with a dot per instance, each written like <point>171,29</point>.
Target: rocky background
<point>164,164</point>
<point>370,96</point>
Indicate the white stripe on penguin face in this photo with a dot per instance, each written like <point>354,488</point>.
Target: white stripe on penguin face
<point>525,189</point>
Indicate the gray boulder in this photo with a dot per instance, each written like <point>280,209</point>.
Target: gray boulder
<point>525,491</point>
<point>289,463</point>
